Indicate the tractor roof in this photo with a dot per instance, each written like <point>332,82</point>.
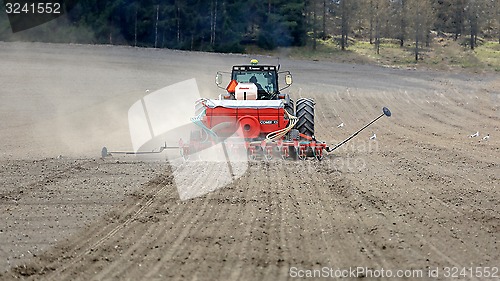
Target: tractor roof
<point>254,68</point>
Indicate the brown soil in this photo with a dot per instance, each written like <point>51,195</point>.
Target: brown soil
<point>422,195</point>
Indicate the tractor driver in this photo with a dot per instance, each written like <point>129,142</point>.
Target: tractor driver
<point>261,93</point>
<point>253,79</point>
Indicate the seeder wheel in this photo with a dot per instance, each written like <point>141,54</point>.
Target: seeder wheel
<point>301,153</point>
<point>252,155</point>
<point>285,153</point>
<point>318,154</point>
<point>268,154</point>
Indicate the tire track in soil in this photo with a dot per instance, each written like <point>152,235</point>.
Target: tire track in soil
<point>258,229</point>
<point>354,105</point>
<point>459,151</point>
<point>407,230</point>
<point>360,227</point>
<point>40,194</point>
<point>285,210</point>
<point>462,110</point>
<point>143,246</point>
<point>403,112</point>
<point>374,109</point>
<point>320,247</point>
<point>438,209</point>
<point>346,116</point>
<point>430,245</point>
<point>413,125</point>
<point>269,225</point>
<point>341,229</point>
<point>312,196</point>
<point>155,233</point>
<point>319,122</point>
<point>183,231</point>
<point>420,169</point>
<point>419,236</point>
<point>362,107</point>
<point>419,135</point>
<point>455,109</point>
<point>86,245</point>
<point>241,209</point>
<point>228,250</point>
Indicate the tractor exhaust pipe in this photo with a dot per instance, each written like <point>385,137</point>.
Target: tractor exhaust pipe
<point>386,112</point>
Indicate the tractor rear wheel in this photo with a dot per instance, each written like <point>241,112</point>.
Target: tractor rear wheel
<point>305,114</point>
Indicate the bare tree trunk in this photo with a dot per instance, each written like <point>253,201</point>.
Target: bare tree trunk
<point>324,20</point>
<point>211,23</point>
<point>417,36</point>
<point>416,48</point>
<point>403,24</point>
<point>315,18</point>
<point>215,23</point>
<point>377,29</point>
<point>307,12</point>
<point>178,14</point>
<point>371,21</point>
<point>473,12</point>
<point>459,18</point>
<point>427,38</point>
<point>472,35</point>
<point>343,25</point>
<point>135,29</point>
<point>156,24</point>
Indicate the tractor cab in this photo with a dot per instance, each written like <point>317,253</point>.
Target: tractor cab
<point>258,81</point>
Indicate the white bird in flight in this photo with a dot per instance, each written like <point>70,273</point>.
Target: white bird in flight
<point>474,135</point>
<point>373,137</point>
<point>340,125</point>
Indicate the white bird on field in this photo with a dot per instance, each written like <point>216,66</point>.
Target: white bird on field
<point>340,125</point>
<point>373,137</point>
<point>474,135</point>
<point>487,137</point>
<point>147,90</point>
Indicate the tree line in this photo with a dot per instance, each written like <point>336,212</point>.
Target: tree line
<point>409,21</point>
<point>230,25</point>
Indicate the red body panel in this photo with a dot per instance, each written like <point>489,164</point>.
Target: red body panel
<point>253,121</point>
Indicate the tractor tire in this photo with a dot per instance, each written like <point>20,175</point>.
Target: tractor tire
<point>305,114</point>
<point>290,107</point>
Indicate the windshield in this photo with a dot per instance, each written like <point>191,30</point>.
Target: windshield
<point>265,81</point>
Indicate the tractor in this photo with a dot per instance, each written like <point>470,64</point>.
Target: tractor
<point>255,110</point>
